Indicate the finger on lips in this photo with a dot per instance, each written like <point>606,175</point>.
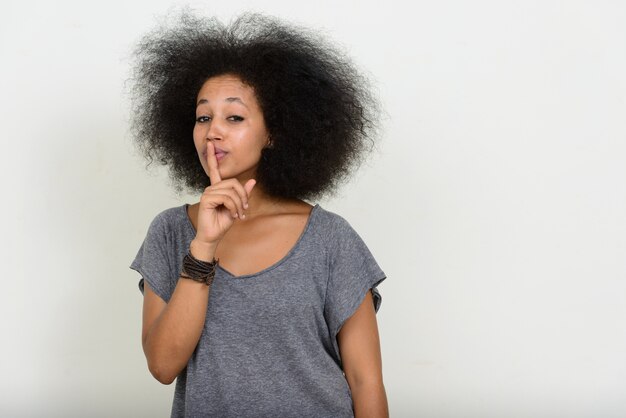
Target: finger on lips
<point>234,195</point>
<point>214,172</point>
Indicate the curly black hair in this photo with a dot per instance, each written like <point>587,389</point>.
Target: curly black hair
<point>318,109</point>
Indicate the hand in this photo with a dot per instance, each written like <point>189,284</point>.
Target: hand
<point>221,203</point>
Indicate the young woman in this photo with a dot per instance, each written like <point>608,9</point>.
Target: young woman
<point>258,303</point>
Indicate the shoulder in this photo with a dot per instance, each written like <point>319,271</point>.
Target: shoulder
<point>170,224</point>
<point>334,227</point>
<point>329,218</point>
<point>169,219</point>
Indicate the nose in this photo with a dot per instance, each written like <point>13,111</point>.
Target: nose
<point>215,131</point>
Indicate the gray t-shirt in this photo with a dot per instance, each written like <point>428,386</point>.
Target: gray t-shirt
<point>269,347</point>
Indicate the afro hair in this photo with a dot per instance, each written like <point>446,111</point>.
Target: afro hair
<point>318,108</point>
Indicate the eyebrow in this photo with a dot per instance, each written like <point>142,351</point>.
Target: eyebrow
<point>228,99</point>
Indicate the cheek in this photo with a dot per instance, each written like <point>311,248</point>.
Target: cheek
<point>197,141</point>
<point>196,135</point>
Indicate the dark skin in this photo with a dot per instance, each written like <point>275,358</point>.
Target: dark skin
<point>260,240</point>
<point>248,231</point>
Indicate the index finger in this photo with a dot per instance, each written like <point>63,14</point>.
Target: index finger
<point>214,172</point>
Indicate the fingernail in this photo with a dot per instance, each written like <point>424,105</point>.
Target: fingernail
<point>245,205</point>
<point>243,216</point>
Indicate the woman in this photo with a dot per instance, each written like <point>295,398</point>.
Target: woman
<point>258,303</point>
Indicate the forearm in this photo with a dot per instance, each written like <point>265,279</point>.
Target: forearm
<point>174,335</point>
<point>370,400</point>
<point>359,346</point>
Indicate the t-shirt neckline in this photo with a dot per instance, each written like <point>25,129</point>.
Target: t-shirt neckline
<point>271,267</point>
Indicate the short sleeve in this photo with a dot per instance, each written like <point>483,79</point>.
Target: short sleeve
<point>352,272</point>
<point>153,261</point>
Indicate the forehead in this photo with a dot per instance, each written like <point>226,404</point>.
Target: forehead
<point>224,86</point>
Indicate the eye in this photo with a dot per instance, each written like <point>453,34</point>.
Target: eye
<point>202,119</point>
<point>235,118</point>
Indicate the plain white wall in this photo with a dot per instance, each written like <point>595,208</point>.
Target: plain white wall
<point>496,205</point>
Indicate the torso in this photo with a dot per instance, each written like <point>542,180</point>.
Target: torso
<point>258,242</point>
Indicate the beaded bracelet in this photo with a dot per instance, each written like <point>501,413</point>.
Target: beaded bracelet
<point>198,270</point>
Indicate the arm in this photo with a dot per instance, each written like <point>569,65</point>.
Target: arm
<point>359,347</point>
<point>171,331</point>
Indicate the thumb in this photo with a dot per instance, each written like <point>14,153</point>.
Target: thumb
<point>249,185</point>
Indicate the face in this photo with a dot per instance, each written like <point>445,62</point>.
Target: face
<point>229,115</point>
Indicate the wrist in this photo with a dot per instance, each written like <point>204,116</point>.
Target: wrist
<point>203,251</point>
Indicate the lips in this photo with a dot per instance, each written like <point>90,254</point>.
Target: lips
<point>219,153</point>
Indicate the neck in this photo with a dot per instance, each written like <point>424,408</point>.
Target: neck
<point>261,203</point>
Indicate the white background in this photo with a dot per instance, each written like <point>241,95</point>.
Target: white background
<point>496,205</point>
